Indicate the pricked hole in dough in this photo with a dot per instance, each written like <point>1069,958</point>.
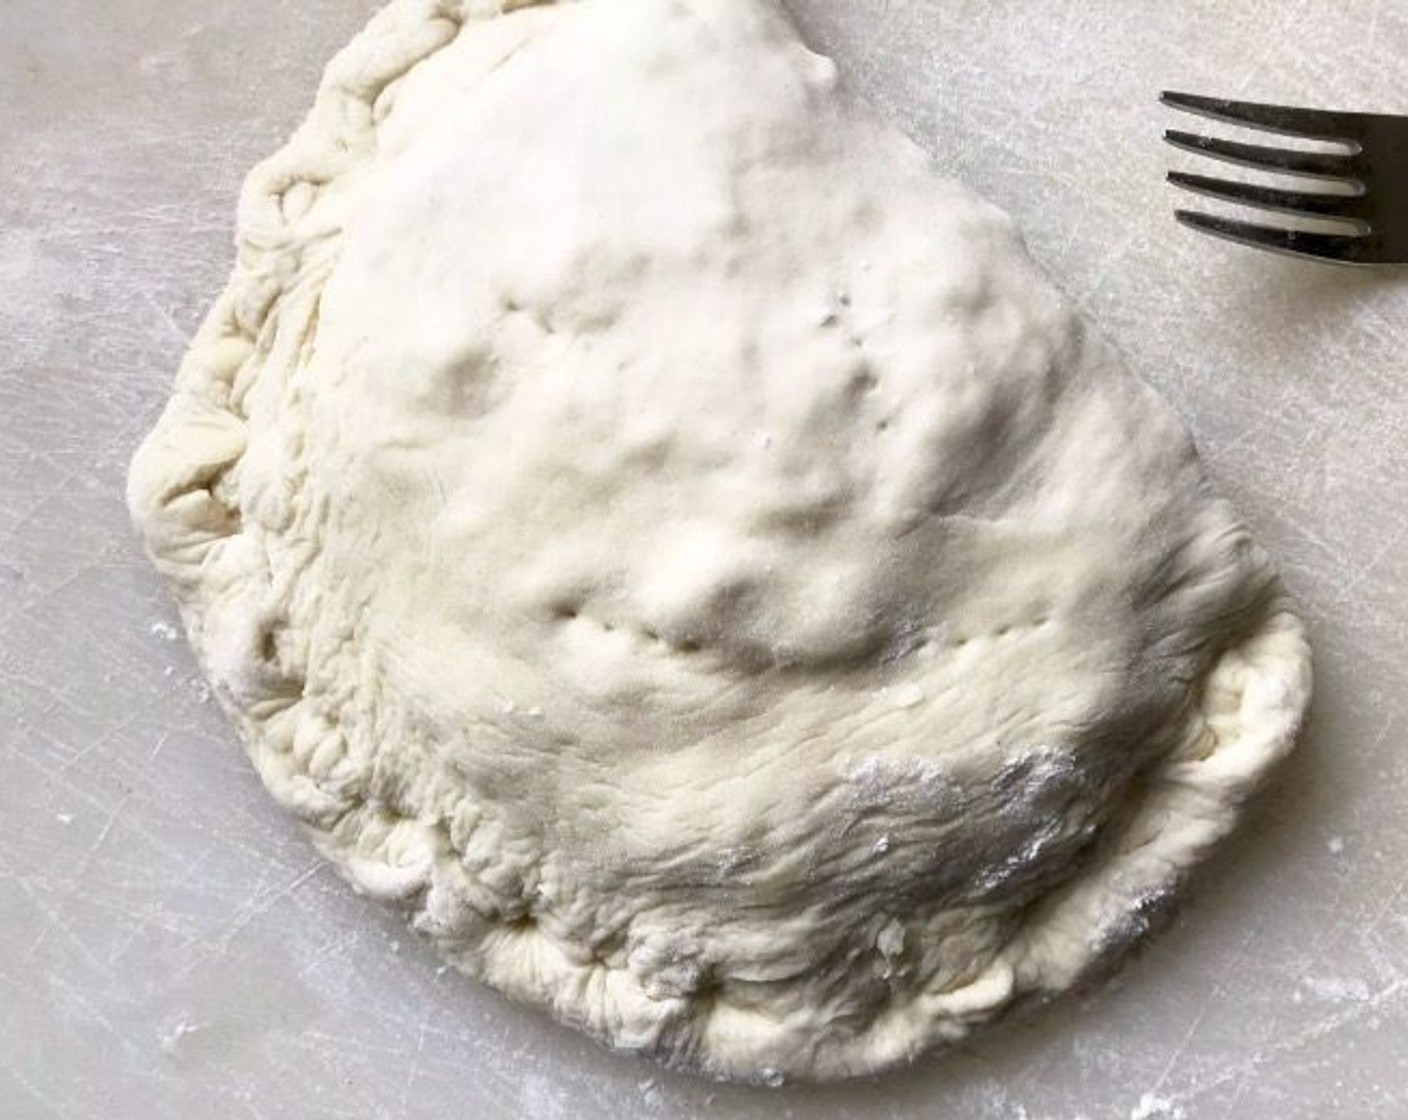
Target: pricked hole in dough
<point>689,645</point>
<point>650,634</point>
<point>566,612</point>
<point>512,305</point>
<point>269,646</point>
<point>864,381</point>
<point>471,385</point>
<point>882,425</point>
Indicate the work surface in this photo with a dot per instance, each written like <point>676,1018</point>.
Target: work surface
<point>170,946</point>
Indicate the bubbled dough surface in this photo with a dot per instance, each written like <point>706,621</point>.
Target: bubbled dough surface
<point>689,558</point>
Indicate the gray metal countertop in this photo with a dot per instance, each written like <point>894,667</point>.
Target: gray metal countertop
<point>170,946</point>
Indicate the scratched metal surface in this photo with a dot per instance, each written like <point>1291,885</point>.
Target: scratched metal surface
<point>169,945</point>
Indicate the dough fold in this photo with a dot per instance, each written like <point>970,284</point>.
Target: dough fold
<point>662,535</point>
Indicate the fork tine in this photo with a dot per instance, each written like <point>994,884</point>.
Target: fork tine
<point>1313,124</point>
<point>1346,207</point>
<point>1342,249</point>
<point>1316,165</point>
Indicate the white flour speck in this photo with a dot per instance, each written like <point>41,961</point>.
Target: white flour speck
<point>543,1097</point>
<point>890,940</point>
<point>868,770</point>
<point>1336,845</point>
<point>1333,989</point>
<point>171,1040</point>
<point>164,630</point>
<point>1151,1107</point>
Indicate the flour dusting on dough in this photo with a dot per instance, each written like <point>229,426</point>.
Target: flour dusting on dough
<point>662,535</point>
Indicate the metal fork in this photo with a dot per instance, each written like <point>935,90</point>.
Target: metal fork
<point>1373,165</point>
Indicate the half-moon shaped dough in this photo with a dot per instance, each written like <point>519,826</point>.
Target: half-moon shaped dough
<point>660,533</point>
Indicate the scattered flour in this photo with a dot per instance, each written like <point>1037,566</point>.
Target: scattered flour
<point>1334,989</point>
<point>172,1040</point>
<point>1151,1107</point>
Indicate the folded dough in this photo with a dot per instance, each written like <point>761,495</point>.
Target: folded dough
<point>657,531</point>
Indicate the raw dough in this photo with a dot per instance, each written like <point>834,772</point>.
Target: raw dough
<point>658,532</point>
